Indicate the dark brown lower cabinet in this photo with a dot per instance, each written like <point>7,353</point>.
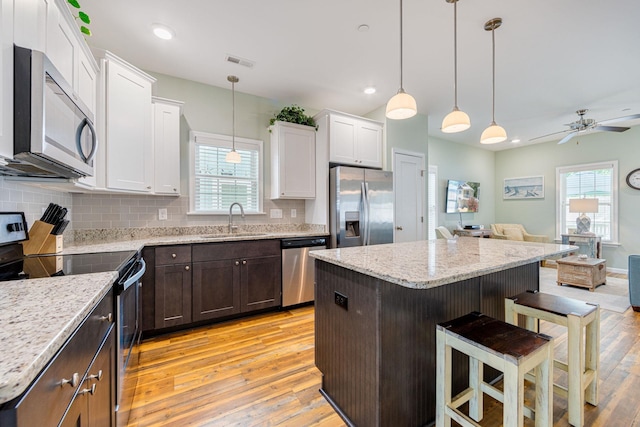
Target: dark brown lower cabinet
<point>199,282</point>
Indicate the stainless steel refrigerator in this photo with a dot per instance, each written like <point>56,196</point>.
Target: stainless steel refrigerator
<point>360,207</point>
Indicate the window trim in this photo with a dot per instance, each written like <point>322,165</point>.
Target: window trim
<point>432,170</point>
<point>560,192</point>
<point>226,141</point>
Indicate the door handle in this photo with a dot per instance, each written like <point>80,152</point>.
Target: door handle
<point>399,228</point>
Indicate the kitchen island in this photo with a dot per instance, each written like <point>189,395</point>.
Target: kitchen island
<point>376,311</point>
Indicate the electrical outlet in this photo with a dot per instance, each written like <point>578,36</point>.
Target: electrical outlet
<point>162,214</point>
<point>276,213</point>
<point>341,300</point>
<point>294,213</point>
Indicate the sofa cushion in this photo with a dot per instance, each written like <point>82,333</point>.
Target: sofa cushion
<point>513,233</point>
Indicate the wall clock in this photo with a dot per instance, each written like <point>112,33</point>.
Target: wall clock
<point>633,179</point>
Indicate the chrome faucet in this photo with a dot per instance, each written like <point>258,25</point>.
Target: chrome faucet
<point>232,227</point>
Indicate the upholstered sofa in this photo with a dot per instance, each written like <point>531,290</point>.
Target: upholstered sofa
<point>516,232</point>
<point>634,281</point>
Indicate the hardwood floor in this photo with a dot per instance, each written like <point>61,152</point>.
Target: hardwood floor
<point>260,372</point>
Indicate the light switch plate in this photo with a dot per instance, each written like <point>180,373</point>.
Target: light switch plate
<point>275,213</point>
<point>162,214</point>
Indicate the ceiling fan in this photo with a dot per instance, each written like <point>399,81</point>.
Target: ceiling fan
<point>584,124</point>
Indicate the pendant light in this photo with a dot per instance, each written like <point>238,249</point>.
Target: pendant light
<point>233,156</point>
<point>401,105</point>
<point>456,120</point>
<point>494,133</point>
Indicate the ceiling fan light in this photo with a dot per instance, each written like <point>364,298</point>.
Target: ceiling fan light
<point>493,134</point>
<point>456,121</point>
<point>233,157</point>
<point>401,106</point>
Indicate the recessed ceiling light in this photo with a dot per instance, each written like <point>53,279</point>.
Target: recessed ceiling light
<point>363,28</point>
<point>370,90</point>
<point>163,32</point>
<point>515,140</point>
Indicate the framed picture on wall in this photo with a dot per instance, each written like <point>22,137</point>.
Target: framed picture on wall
<point>526,187</point>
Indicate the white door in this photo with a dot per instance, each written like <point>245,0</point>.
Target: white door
<point>408,183</point>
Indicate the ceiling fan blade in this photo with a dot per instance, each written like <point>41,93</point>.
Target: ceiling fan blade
<point>550,134</point>
<point>620,119</point>
<point>610,128</point>
<point>566,138</point>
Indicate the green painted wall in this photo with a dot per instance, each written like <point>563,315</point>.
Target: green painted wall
<point>539,215</point>
<point>468,163</point>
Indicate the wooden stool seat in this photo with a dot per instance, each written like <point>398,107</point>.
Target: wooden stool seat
<point>583,354</point>
<point>508,348</point>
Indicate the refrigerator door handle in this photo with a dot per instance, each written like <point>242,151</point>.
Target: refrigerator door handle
<point>368,210</point>
<point>365,211</point>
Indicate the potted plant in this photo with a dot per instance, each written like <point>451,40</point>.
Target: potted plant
<point>293,114</point>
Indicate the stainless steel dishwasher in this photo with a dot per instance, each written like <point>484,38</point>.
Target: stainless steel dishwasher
<point>298,269</point>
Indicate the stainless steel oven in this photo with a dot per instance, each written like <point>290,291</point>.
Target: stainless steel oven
<point>128,336</point>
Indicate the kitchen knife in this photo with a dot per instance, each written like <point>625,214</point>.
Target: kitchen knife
<point>55,214</point>
<point>47,212</point>
<point>60,227</point>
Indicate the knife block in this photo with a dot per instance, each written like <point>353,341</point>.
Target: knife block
<point>41,241</point>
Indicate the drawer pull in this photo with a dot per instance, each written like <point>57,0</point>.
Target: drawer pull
<point>90,390</point>
<point>244,262</point>
<point>237,262</point>
<point>107,318</point>
<point>74,381</point>
<point>186,267</point>
<point>97,376</point>
<point>173,255</point>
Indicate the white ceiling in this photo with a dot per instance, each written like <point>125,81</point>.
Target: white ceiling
<point>552,56</point>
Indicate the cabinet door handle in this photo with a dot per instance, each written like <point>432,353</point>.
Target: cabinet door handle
<point>244,262</point>
<point>108,318</point>
<point>399,228</point>
<point>97,376</point>
<point>186,267</point>
<point>91,390</point>
<point>237,262</point>
<point>173,255</point>
<point>73,382</point>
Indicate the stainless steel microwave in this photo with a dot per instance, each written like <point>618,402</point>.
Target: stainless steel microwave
<point>54,134</point>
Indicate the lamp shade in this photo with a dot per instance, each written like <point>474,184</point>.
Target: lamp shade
<point>583,205</point>
<point>233,157</point>
<point>493,134</point>
<point>401,106</point>
<point>456,121</point>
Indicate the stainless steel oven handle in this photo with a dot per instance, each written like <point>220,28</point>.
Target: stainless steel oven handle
<point>94,140</point>
<point>133,279</point>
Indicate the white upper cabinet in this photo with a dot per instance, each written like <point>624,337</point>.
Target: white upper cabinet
<point>48,26</point>
<point>166,146</point>
<point>293,161</point>
<point>353,140</point>
<point>6,79</point>
<point>124,125</point>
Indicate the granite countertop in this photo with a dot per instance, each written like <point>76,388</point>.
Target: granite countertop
<point>36,317</point>
<point>430,263</point>
<point>138,244</point>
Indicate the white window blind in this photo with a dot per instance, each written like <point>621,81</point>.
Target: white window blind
<point>217,184</point>
<point>597,180</point>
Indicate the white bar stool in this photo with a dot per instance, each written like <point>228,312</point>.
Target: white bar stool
<point>583,354</point>
<point>508,348</point>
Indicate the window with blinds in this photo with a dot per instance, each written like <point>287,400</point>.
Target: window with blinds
<point>216,184</point>
<point>596,180</point>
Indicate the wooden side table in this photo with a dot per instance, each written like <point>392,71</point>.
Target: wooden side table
<point>588,273</point>
<point>590,245</point>
<point>478,232</point>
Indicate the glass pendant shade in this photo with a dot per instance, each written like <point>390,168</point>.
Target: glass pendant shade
<point>401,106</point>
<point>493,134</point>
<point>456,121</point>
<point>233,157</point>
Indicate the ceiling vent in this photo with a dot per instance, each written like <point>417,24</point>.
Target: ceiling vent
<point>240,61</point>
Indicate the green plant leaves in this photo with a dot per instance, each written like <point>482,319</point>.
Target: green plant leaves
<point>84,17</point>
<point>85,30</point>
<point>293,114</point>
<point>74,3</point>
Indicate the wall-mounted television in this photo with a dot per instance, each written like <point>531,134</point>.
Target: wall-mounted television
<point>462,196</point>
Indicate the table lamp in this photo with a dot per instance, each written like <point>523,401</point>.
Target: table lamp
<point>583,222</point>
